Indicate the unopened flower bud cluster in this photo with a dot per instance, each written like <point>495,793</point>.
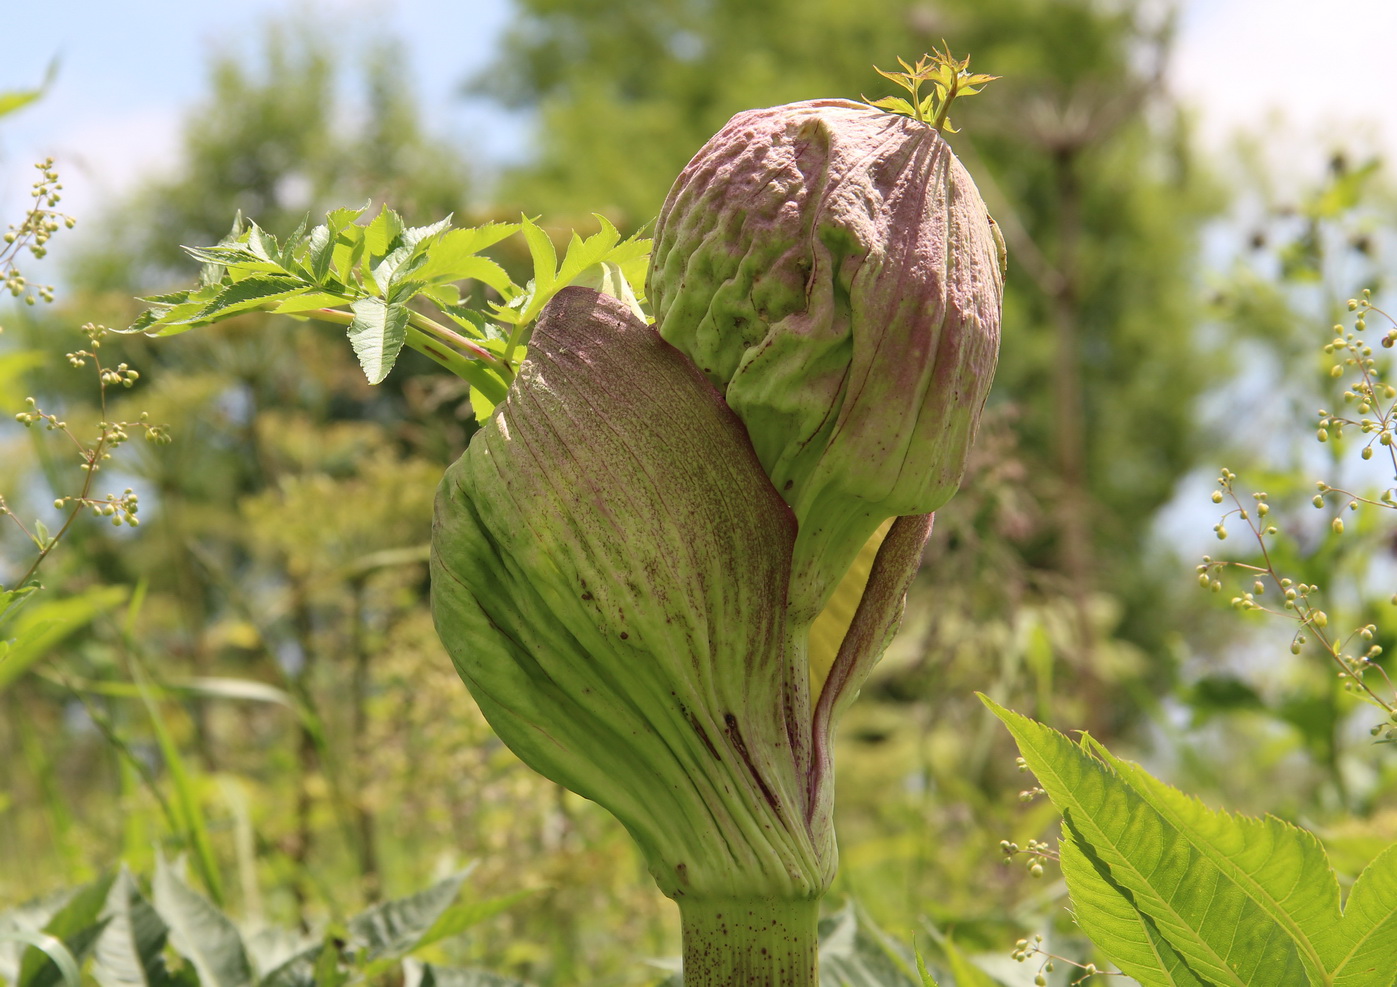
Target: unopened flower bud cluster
<point>1026,949</point>
<point>1374,409</point>
<point>33,233</point>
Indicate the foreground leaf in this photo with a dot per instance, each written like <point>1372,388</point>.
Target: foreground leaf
<point>200,932</point>
<point>76,925</point>
<point>130,950</point>
<point>1105,913</point>
<point>1179,894</point>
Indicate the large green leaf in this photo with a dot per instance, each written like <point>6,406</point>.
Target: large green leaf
<point>394,928</point>
<point>46,624</point>
<point>76,925</point>
<point>130,950</point>
<point>1105,913</point>
<point>1179,894</point>
<point>1363,949</point>
<point>200,932</point>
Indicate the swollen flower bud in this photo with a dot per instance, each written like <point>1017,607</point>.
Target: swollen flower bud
<point>609,573</point>
<point>833,270</point>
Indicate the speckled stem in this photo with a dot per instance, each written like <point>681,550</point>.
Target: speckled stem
<point>750,942</point>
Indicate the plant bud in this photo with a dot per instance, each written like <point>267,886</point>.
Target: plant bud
<point>609,573</point>
<point>832,269</point>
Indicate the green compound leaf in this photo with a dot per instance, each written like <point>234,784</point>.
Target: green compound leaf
<point>378,333</point>
<point>244,295</point>
<point>1179,894</point>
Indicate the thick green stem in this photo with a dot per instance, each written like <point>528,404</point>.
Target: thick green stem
<point>749,942</point>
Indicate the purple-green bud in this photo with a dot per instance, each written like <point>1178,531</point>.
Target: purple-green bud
<point>833,270</point>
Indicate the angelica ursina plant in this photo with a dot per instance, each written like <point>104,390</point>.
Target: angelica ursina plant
<point>630,554</point>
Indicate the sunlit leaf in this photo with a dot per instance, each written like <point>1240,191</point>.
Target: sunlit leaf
<point>44,625</point>
<point>200,932</point>
<point>378,333</point>
<point>130,950</point>
<point>382,235</point>
<point>245,295</point>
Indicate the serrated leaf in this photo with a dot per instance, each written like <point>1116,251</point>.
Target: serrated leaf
<point>308,302</point>
<point>1363,950</point>
<point>245,295</point>
<point>349,248</point>
<point>294,243</point>
<point>235,258</point>
<point>481,405</point>
<point>392,929</point>
<point>1224,931</point>
<point>320,251</point>
<point>378,333</point>
<point>420,238</point>
<point>894,104</point>
<point>1232,895</point>
<point>168,300</point>
<point>443,296</point>
<point>382,235</point>
<point>129,951</point>
<point>451,261</point>
<point>582,254</point>
<point>544,257</point>
<point>200,932</point>
<point>1105,913</point>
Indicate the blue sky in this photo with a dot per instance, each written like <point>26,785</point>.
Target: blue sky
<point>131,70</point>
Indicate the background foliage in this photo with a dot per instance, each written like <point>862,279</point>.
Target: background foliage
<point>292,697</point>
